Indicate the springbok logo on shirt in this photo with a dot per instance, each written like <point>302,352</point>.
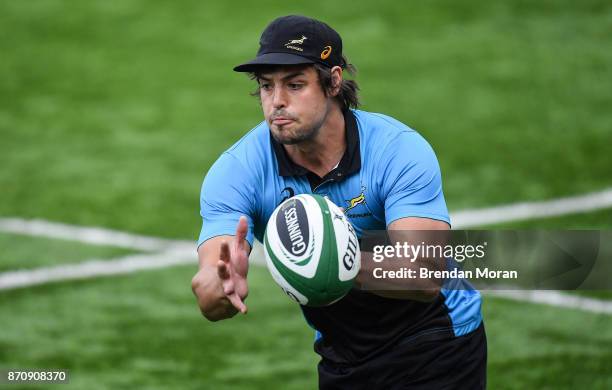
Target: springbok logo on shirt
<point>356,201</point>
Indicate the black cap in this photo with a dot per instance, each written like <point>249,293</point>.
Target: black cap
<point>295,39</point>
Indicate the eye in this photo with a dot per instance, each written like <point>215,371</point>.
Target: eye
<point>265,86</point>
<point>295,86</point>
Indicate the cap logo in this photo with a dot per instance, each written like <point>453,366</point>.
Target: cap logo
<point>326,52</point>
<point>291,44</point>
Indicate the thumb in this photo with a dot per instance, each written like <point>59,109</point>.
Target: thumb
<point>242,229</point>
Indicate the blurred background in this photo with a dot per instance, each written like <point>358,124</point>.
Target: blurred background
<point>111,113</point>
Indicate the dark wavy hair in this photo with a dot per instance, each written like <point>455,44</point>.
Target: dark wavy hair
<point>347,97</point>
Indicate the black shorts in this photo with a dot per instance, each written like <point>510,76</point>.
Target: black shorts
<point>458,363</point>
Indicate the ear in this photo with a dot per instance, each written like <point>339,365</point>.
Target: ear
<point>336,80</point>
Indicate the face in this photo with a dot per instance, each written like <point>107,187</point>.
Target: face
<point>293,102</point>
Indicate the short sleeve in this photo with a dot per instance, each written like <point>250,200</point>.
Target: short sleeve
<point>227,193</point>
<point>411,180</point>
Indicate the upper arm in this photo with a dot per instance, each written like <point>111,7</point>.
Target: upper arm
<point>227,193</point>
<point>413,229</point>
<point>411,182</point>
<point>415,223</point>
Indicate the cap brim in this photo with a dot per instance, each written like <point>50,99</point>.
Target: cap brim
<point>272,59</point>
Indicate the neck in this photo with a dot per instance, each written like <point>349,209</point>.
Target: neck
<point>321,154</point>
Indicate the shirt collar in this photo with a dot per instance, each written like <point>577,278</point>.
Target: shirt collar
<point>349,164</point>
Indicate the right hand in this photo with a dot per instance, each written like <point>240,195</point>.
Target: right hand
<point>233,266</point>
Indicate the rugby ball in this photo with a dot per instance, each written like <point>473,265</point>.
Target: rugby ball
<point>311,250</point>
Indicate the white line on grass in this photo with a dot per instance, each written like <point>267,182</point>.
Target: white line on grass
<point>178,254</point>
<point>95,268</point>
<point>532,210</point>
<point>174,252</point>
<point>85,234</point>
<point>461,219</point>
<point>556,298</point>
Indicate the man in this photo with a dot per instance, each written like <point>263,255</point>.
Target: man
<point>383,173</point>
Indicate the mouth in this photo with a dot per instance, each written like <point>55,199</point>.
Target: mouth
<point>281,121</point>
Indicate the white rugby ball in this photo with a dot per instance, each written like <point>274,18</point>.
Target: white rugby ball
<point>311,250</point>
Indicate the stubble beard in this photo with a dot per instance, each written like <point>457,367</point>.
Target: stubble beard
<point>299,134</point>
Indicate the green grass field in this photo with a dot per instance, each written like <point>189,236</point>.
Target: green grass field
<point>111,112</point>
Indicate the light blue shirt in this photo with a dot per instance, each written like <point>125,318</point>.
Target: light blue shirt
<point>399,177</point>
<point>395,174</point>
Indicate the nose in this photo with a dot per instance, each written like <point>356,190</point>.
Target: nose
<point>279,98</point>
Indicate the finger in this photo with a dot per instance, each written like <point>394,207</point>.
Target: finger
<point>237,303</point>
<point>224,253</point>
<point>222,270</point>
<point>241,230</point>
<point>228,287</point>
